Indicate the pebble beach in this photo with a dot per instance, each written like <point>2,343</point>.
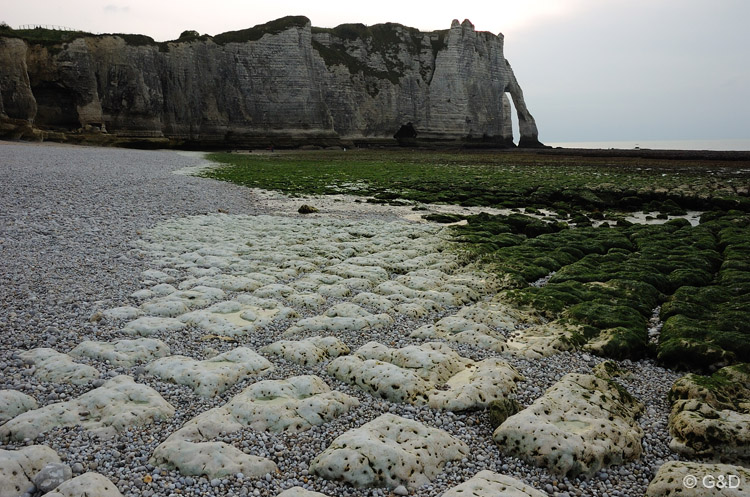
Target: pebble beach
<point>80,229</point>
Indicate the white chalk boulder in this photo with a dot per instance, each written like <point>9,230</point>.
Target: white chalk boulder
<point>56,367</point>
<point>124,353</point>
<point>309,351</point>
<point>292,405</point>
<point>341,317</point>
<point>710,416</point>
<point>581,424</point>
<point>431,373</point>
<point>115,406</point>
<point>18,467</point>
<point>150,325</point>
<point>86,485</point>
<point>694,479</point>
<point>462,330</point>
<point>211,376</point>
<point>13,403</point>
<point>389,451</point>
<point>489,484</point>
<point>300,492</point>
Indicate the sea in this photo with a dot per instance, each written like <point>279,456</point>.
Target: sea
<point>734,144</point>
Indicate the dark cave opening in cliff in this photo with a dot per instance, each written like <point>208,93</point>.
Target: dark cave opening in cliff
<point>56,107</point>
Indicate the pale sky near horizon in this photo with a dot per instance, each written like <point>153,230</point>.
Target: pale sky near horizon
<point>590,69</point>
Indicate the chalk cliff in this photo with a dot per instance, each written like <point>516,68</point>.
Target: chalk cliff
<point>284,82</point>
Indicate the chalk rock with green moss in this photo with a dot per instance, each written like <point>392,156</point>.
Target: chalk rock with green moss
<point>55,367</point>
<point>694,479</point>
<point>122,352</point>
<point>292,405</point>
<point>431,373</point>
<point>18,467</point>
<point>387,452</point>
<point>114,407</point>
<point>13,403</point>
<point>211,376</point>
<point>309,351</point>
<point>581,424</point>
<point>489,484</point>
<point>711,415</point>
<point>88,484</point>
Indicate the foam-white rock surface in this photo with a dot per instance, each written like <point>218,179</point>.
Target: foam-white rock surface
<point>309,351</point>
<point>580,425</point>
<point>292,405</point>
<point>212,376</point>
<point>13,403</point>
<point>122,352</point>
<point>696,479</point>
<point>389,451</point>
<point>18,467</point>
<point>86,485</point>
<point>489,484</point>
<point>118,404</point>
<point>56,367</point>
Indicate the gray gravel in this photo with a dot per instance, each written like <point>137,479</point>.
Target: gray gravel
<point>68,220</point>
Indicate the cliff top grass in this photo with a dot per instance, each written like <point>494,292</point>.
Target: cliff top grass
<point>604,282</point>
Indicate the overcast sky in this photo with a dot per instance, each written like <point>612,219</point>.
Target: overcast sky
<point>590,69</point>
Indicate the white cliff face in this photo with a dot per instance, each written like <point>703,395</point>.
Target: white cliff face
<point>284,81</point>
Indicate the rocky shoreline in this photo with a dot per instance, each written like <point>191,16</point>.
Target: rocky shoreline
<point>84,230</point>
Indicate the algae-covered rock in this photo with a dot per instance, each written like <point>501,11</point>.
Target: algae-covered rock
<point>502,409</point>
<point>114,407</point>
<point>211,376</point>
<point>489,484</point>
<point>710,416</point>
<point>581,424</point>
<point>694,479</point>
<point>387,452</point>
